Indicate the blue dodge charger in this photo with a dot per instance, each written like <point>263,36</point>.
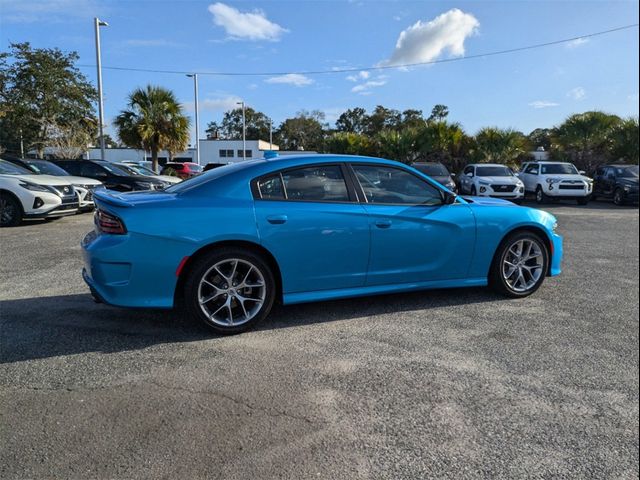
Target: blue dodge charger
<point>229,243</point>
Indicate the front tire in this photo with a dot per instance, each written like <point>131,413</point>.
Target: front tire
<point>474,193</point>
<point>583,201</point>
<point>520,265</point>
<point>618,197</point>
<point>10,211</point>
<point>541,197</point>
<point>231,290</point>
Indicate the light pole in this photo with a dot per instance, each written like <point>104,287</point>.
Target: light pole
<point>97,24</point>
<point>244,131</point>
<point>195,93</point>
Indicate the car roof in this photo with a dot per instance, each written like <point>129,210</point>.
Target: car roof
<point>486,165</point>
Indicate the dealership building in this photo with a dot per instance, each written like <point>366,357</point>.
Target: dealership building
<point>211,151</point>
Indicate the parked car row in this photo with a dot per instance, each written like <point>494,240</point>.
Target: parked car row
<point>33,188</point>
<point>545,180</point>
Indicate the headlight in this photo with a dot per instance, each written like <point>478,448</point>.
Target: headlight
<point>482,182</point>
<point>626,188</point>
<point>34,187</point>
<point>553,180</point>
<point>143,185</point>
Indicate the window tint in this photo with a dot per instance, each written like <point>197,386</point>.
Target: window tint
<point>323,183</point>
<point>468,170</point>
<point>533,169</point>
<point>91,170</point>
<point>271,187</point>
<point>393,185</point>
<point>72,167</point>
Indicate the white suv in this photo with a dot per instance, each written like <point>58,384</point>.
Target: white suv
<point>491,180</point>
<point>556,180</point>
<point>27,195</point>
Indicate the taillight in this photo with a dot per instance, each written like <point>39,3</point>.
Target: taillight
<point>108,223</point>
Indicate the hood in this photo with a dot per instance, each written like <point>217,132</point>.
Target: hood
<point>49,180</point>
<point>82,180</point>
<point>569,177</point>
<point>442,179</point>
<point>501,180</point>
<point>489,202</point>
<point>632,182</point>
<point>168,178</point>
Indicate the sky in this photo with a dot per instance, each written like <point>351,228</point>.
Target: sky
<point>521,90</point>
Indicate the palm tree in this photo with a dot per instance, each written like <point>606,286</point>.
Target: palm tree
<point>153,121</point>
<point>500,145</point>
<point>624,139</point>
<point>398,145</point>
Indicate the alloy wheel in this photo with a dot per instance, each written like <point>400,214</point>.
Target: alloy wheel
<point>522,265</point>
<point>231,292</point>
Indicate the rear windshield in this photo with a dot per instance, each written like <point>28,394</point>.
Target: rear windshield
<point>432,169</point>
<point>206,177</point>
<point>558,169</point>
<point>114,169</point>
<point>493,172</point>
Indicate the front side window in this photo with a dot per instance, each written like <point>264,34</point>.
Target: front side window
<point>389,185</point>
<point>323,183</point>
<point>468,170</point>
<point>532,169</point>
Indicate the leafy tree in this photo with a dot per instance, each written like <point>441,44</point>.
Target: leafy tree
<point>42,94</point>
<point>383,119</point>
<point>412,119</point>
<point>439,113</point>
<point>349,143</point>
<point>624,141</point>
<point>154,121</point>
<point>354,120</point>
<point>305,131</point>
<point>540,137</point>
<point>257,125</point>
<point>398,145</point>
<point>496,145</point>
<point>585,138</point>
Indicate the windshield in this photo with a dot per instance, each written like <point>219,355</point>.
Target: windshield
<point>140,170</point>
<point>628,172</point>
<point>116,170</point>
<point>432,169</point>
<point>559,169</point>
<point>7,168</point>
<point>194,167</point>
<point>496,171</point>
<point>47,168</point>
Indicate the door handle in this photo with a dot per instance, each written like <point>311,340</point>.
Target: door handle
<point>277,219</point>
<point>383,223</point>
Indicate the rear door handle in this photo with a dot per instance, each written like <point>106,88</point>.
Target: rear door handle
<point>277,219</point>
<point>383,223</point>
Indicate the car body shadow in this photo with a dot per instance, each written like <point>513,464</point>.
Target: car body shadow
<point>38,328</point>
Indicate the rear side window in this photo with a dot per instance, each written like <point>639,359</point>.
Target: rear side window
<point>271,187</point>
<point>323,183</point>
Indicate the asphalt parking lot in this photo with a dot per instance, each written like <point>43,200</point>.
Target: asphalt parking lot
<point>457,384</point>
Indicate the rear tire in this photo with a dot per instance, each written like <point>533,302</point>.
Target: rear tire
<point>541,197</point>
<point>230,289</point>
<point>519,265</point>
<point>583,201</point>
<point>10,211</point>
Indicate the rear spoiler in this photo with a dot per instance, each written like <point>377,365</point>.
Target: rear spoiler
<point>111,198</point>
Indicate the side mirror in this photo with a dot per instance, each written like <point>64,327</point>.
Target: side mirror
<point>449,198</point>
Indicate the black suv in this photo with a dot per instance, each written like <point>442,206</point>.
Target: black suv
<point>112,176</point>
<point>619,182</point>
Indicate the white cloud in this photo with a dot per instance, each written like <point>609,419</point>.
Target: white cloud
<point>366,87</point>
<point>577,42</point>
<point>214,103</point>
<point>426,41</point>
<point>543,104</point>
<point>577,93</point>
<point>363,75</point>
<point>291,79</point>
<point>245,25</point>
